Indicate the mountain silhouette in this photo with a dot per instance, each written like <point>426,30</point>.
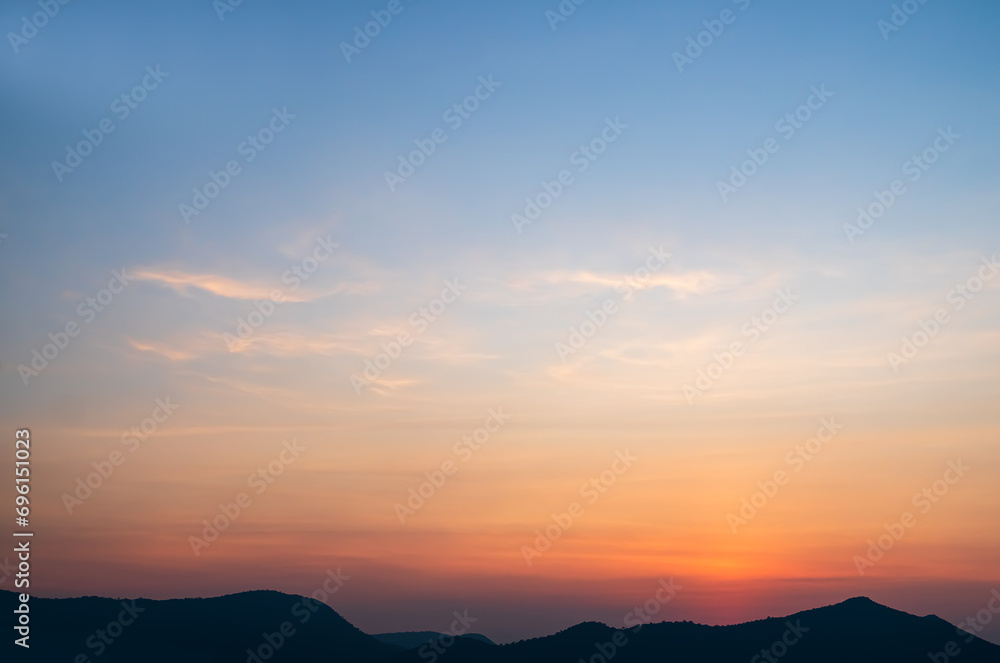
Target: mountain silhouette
<point>414,639</point>
<point>268,626</point>
<point>220,630</point>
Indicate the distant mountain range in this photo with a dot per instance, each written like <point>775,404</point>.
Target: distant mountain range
<point>269,627</point>
<point>414,639</point>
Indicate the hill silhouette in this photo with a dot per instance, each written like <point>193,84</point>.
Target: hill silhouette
<point>268,626</point>
<point>220,630</point>
<point>414,639</point>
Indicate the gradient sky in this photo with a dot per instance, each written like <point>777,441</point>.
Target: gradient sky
<point>654,188</point>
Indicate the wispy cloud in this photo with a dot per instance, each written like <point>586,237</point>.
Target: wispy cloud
<point>681,284</point>
<point>222,286</point>
<point>293,344</point>
<point>187,283</point>
<point>547,286</point>
<point>163,350</point>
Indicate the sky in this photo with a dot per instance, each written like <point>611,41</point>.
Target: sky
<point>518,308</point>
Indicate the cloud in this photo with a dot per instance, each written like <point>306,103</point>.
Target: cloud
<point>681,284</point>
<point>230,288</point>
<point>222,286</point>
<point>544,287</point>
<point>171,353</point>
<point>385,386</point>
<point>291,344</point>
